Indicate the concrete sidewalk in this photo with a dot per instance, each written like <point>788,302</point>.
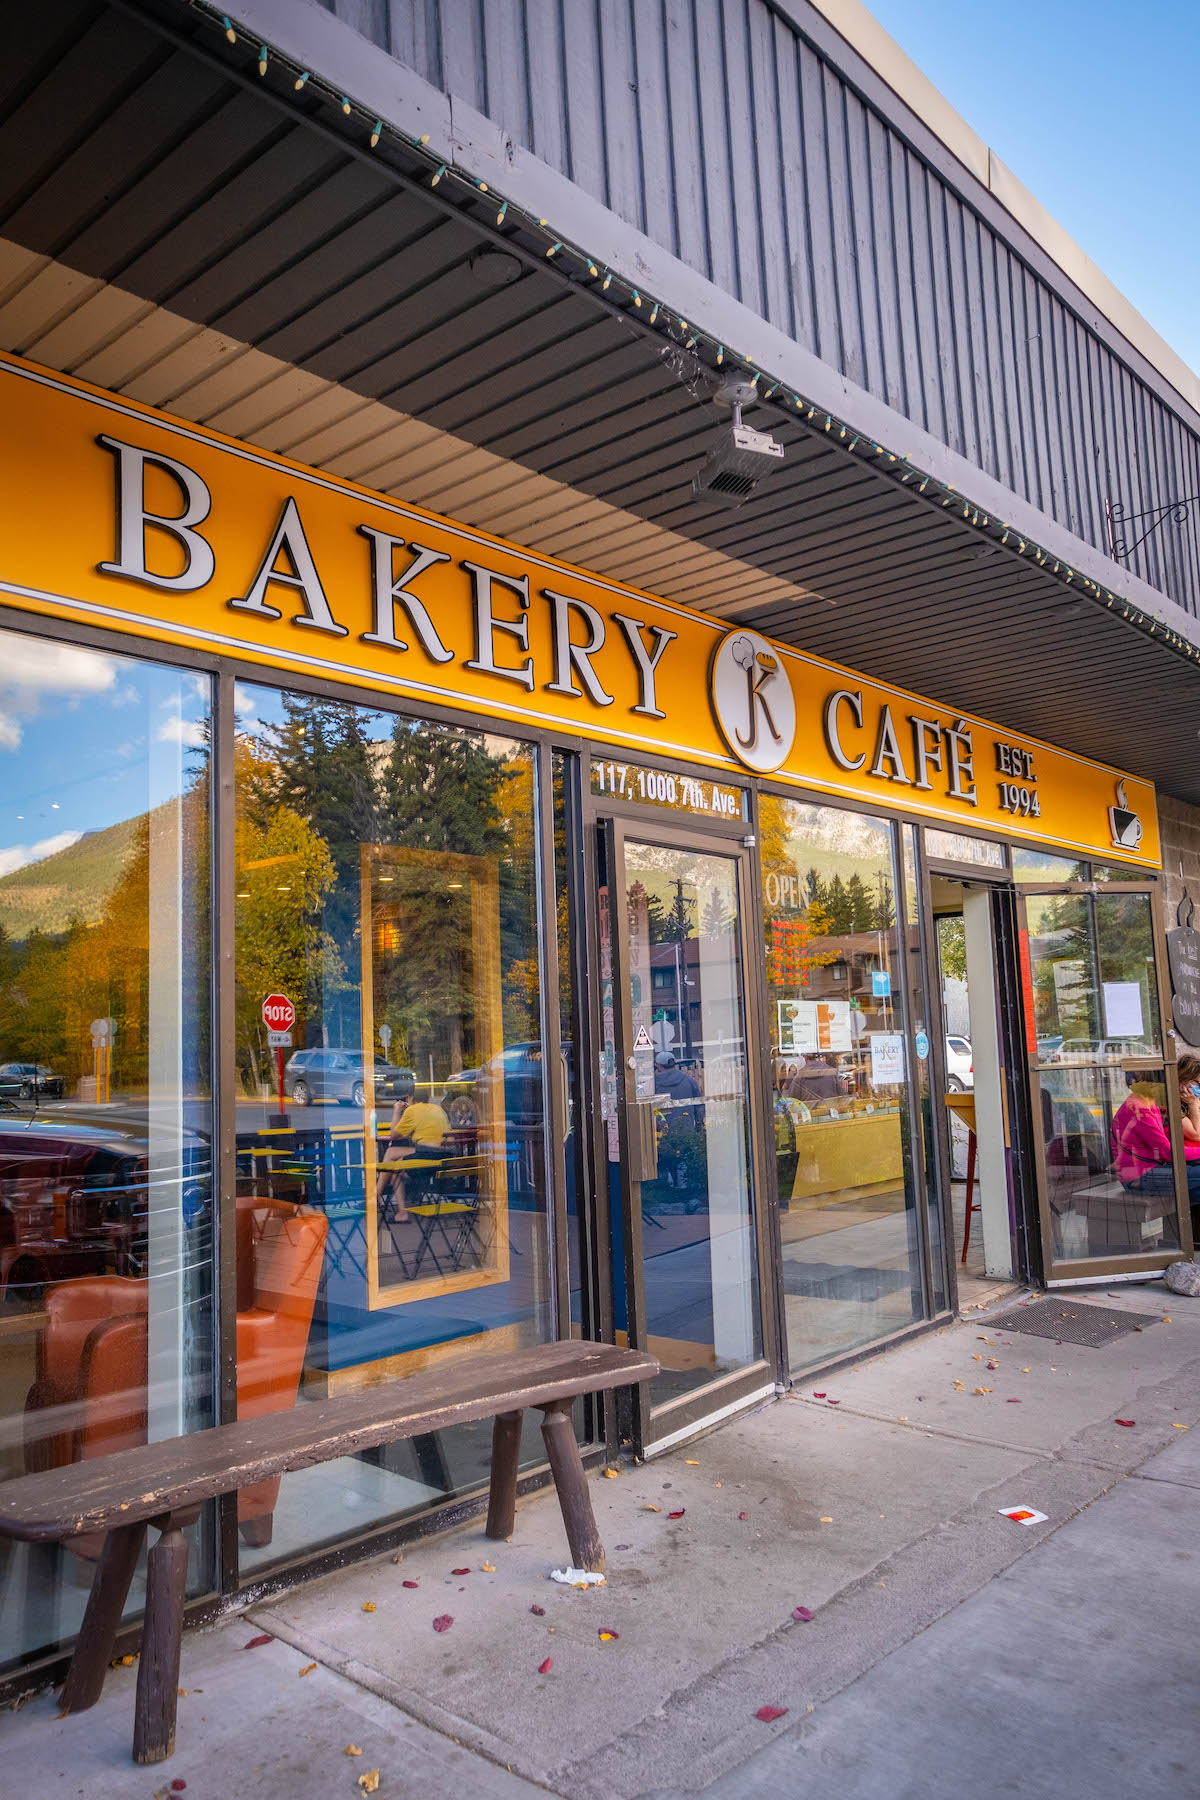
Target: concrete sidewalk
<point>949,1645</point>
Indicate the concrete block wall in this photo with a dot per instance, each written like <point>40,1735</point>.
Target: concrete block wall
<point>1179,825</point>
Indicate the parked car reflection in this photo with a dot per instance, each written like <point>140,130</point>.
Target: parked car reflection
<point>77,1193</point>
<point>339,1075</point>
<point>29,1081</point>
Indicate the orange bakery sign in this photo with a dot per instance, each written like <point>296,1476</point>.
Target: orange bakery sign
<point>112,513</point>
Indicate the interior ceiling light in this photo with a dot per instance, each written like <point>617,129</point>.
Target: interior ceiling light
<point>741,456</point>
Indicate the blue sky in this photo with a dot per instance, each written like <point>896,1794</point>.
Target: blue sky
<point>86,739</point>
<point>1094,107</point>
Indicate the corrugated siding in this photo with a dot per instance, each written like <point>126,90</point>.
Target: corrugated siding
<point>716,130</point>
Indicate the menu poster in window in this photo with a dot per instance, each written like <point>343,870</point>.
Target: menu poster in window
<point>834,1031</point>
<point>797,1026</point>
<point>887,1057</point>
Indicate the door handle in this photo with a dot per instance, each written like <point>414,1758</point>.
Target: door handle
<point>564,1079</point>
<point>643,1140</point>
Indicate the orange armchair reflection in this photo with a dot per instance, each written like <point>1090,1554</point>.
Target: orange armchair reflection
<point>280,1252</point>
<point>89,1396</point>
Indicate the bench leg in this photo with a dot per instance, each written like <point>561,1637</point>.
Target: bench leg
<point>566,1464</point>
<point>102,1619</point>
<point>506,1456</point>
<point>162,1631</point>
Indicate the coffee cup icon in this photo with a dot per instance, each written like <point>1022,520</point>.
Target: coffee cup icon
<point>1124,823</point>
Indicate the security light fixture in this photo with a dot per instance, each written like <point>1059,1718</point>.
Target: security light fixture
<point>741,456</point>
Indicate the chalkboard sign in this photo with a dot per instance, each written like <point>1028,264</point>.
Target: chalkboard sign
<point>1183,952</point>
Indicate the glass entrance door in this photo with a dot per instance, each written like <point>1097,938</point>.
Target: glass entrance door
<point>678,1080</point>
<point>1108,1120</point>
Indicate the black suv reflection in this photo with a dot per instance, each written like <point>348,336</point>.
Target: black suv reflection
<point>29,1081</point>
<point>77,1189</point>
<point>338,1075</point>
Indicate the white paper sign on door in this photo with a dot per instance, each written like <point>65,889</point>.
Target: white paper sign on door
<point>1123,1009</point>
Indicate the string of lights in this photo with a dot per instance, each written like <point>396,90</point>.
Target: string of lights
<point>578,266</point>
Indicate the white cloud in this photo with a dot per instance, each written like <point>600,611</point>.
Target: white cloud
<point>20,855</point>
<point>32,668</point>
<point>42,666</point>
<point>176,730</point>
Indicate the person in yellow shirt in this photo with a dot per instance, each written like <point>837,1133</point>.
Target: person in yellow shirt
<point>419,1129</point>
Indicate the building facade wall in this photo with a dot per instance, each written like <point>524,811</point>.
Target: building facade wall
<point>719,130</point>
<point>1179,825</point>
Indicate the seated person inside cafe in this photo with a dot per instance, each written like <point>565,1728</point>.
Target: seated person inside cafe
<point>818,1080</point>
<point>1141,1143</point>
<point>419,1131</point>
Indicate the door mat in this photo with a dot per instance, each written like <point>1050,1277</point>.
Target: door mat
<point>1069,1322</point>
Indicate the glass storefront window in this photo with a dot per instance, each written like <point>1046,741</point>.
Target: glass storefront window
<point>1039,867</point>
<point>1107,1128</point>
<point>105,1087</point>
<point>843,1133</point>
<point>956,846</point>
<point>392,1191</point>
<point>1116,872</point>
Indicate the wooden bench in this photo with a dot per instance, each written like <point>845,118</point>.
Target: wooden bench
<point>165,1484</point>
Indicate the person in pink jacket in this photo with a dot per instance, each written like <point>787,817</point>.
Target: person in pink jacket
<point>1141,1145</point>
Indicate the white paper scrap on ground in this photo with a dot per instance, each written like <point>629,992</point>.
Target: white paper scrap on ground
<point>1022,1515</point>
<point>576,1577</point>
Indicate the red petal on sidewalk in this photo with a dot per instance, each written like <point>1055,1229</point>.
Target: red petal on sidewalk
<point>443,1622</point>
<point>768,1714</point>
<point>266,1638</point>
<point>677,1515</point>
<point>802,1612</point>
<point>539,1612</point>
<point>545,1668</point>
<point>1126,1421</point>
<point>411,1584</point>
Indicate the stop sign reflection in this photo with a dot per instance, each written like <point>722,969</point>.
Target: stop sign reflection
<point>278,1013</point>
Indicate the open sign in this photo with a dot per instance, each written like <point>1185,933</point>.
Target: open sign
<point>278,1013</point>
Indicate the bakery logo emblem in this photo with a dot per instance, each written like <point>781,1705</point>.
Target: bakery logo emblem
<point>753,700</point>
<point>1124,823</point>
